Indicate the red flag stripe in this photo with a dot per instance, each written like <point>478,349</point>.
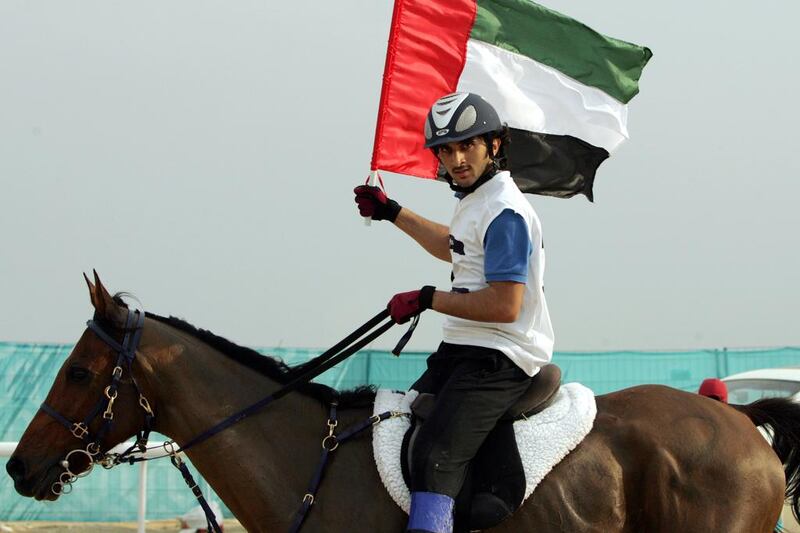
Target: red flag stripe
<point>424,60</point>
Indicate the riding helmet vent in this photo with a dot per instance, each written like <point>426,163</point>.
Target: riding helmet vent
<point>467,119</point>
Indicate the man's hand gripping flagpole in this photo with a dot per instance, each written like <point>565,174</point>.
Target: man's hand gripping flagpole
<point>373,204</point>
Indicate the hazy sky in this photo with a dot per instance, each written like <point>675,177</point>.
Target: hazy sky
<point>202,155</point>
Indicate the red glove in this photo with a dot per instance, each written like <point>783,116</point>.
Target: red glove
<point>405,305</point>
<point>373,202</point>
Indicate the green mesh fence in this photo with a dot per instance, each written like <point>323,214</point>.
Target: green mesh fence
<point>27,371</point>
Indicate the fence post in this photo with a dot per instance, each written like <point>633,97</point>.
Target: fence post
<point>142,496</point>
<point>721,358</point>
<point>725,361</point>
<point>368,370</point>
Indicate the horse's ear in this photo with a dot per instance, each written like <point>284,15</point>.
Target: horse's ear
<point>92,292</point>
<point>91,287</point>
<point>104,304</point>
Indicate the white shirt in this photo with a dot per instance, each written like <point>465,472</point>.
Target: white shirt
<point>528,341</point>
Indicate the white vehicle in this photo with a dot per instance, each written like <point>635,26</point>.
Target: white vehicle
<point>747,387</point>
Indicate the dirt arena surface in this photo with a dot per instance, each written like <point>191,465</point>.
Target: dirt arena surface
<point>231,526</point>
<point>789,523</point>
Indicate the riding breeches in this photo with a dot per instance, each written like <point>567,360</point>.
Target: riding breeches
<point>474,387</point>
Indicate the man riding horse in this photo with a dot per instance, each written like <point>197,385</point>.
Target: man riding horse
<point>656,459</point>
<point>497,333</point>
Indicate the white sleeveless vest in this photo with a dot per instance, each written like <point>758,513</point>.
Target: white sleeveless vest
<point>528,342</point>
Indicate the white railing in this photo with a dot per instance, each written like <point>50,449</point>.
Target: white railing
<point>7,449</point>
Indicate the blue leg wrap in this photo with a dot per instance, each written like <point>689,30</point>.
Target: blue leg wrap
<point>431,513</point>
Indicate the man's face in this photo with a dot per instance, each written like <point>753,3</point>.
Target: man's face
<point>466,160</point>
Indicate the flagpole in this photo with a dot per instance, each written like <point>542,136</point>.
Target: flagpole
<point>372,181</point>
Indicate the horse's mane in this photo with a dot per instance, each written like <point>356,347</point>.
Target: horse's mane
<point>273,367</point>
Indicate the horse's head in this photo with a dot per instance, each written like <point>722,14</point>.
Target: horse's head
<point>93,404</point>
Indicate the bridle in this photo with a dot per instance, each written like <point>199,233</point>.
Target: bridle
<point>126,353</point>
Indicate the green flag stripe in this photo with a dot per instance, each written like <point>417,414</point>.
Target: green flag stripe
<point>562,43</point>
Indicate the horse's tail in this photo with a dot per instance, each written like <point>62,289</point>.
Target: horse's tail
<point>781,416</point>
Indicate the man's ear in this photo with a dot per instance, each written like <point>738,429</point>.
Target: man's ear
<point>496,145</point>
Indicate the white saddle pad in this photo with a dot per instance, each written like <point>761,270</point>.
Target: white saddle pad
<point>543,439</point>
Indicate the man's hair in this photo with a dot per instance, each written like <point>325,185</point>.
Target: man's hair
<point>499,159</point>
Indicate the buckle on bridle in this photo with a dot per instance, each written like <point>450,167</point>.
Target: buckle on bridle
<point>79,429</point>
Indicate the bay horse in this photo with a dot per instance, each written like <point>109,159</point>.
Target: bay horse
<point>656,460</point>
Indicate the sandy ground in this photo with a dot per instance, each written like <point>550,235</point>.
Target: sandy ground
<point>231,526</point>
<point>789,523</point>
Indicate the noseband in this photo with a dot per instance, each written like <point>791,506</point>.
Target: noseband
<point>126,353</point>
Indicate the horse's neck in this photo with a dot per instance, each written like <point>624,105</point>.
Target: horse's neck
<point>195,387</point>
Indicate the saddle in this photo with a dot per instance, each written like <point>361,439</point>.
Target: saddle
<point>495,482</point>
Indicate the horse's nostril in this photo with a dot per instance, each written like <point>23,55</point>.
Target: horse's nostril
<point>16,469</point>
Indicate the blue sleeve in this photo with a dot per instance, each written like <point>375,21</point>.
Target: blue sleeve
<point>507,248</point>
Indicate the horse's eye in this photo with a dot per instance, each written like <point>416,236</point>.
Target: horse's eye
<point>77,374</point>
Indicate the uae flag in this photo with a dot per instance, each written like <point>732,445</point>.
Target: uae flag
<point>562,88</point>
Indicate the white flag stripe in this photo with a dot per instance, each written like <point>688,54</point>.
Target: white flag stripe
<point>534,97</point>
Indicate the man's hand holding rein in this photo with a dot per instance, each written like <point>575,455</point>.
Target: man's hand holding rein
<point>405,305</point>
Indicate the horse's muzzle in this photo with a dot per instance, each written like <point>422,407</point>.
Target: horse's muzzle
<point>26,485</point>
<point>16,469</point>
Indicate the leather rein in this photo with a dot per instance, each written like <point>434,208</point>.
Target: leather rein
<point>126,354</point>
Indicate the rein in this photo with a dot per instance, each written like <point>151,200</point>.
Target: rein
<point>126,353</point>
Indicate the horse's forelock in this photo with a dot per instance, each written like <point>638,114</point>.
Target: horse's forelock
<point>119,298</point>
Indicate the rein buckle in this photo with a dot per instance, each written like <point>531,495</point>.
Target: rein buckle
<point>109,461</point>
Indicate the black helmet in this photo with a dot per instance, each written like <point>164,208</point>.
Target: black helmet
<point>459,116</point>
